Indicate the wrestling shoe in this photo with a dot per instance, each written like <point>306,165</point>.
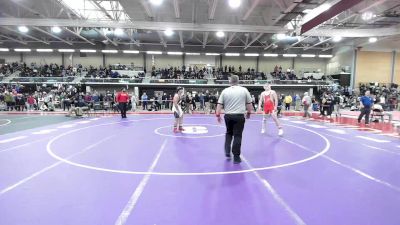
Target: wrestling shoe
<point>280,132</point>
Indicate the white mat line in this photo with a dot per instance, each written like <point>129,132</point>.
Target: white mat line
<point>373,139</point>
<point>276,196</point>
<point>359,172</point>
<point>123,217</point>
<point>11,187</point>
<point>12,139</point>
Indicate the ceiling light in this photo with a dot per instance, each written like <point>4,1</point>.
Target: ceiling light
<point>4,50</point>
<point>325,56</point>
<point>156,2</point>
<point>232,54</point>
<point>119,32</point>
<point>251,54</point>
<point>367,16</point>
<point>131,51</point>
<point>175,53</point>
<point>307,11</point>
<point>289,55</point>
<point>66,50</point>
<point>337,38</point>
<point>109,51</point>
<point>270,55</point>
<point>220,34</point>
<point>23,29</point>
<point>280,36</point>
<point>373,39</point>
<point>168,32</point>
<point>234,3</point>
<point>22,50</point>
<point>307,55</point>
<point>154,52</point>
<point>192,53</point>
<point>212,53</point>
<point>88,50</point>
<point>44,50</point>
<point>56,30</point>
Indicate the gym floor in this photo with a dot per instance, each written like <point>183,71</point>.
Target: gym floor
<point>107,170</point>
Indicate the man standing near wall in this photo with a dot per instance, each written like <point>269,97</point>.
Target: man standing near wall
<point>366,103</point>
<point>123,99</point>
<point>235,100</point>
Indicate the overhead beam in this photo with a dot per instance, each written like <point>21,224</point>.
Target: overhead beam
<point>147,8</point>
<point>102,33</point>
<point>287,10</point>
<point>78,35</point>
<point>144,25</point>
<point>212,10</point>
<point>280,4</point>
<point>13,39</point>
<point>162,41</point>
<point>176,8</point>
<point>346,18</point>
<point>319,43</point>
<point>181,39</point>
<point>252,41</point>
<point>26,35</point>
<point>103,10</point>
<point>298,42</point>
<point>229,41</point>
<point>52,35</point>
<point>205,38</point>
<point>333,11</point>
<point>250,10</point>
<point>269,46</point>
<point>130,34</point>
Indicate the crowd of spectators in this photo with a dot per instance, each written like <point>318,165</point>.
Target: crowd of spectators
<point>8,69</point>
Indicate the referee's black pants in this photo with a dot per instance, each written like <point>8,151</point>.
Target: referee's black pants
<point>364,111</point>
<point>234,130</point>
<point>122,107</point>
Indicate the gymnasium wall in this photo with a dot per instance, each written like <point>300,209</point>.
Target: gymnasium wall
<point>342,58</point>
<point>126,59</point>
<point>245,62</point>
<point>201,59</point>
<point>267,64</point>
<point>310,64</point>
<point>164,61</point>
<point>10,56</point>
<point>397,69</point>
<point>373,67</point>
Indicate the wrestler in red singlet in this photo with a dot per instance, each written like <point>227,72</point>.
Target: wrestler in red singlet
<point>268,104</point>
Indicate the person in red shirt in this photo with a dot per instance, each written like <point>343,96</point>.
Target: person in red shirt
<point>123,99</point>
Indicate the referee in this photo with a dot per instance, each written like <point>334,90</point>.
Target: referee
<point>235,100</point>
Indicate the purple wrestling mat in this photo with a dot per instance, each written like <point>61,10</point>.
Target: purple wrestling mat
<point>104,171</point>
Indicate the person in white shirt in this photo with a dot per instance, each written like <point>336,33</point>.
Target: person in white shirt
<point>235,101</point>
<point>306,101</point>
<point>133,102</point>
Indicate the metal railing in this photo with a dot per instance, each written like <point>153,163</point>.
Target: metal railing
<point>112,80</point>
<point>42,79</point>
<point>178,81</point>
